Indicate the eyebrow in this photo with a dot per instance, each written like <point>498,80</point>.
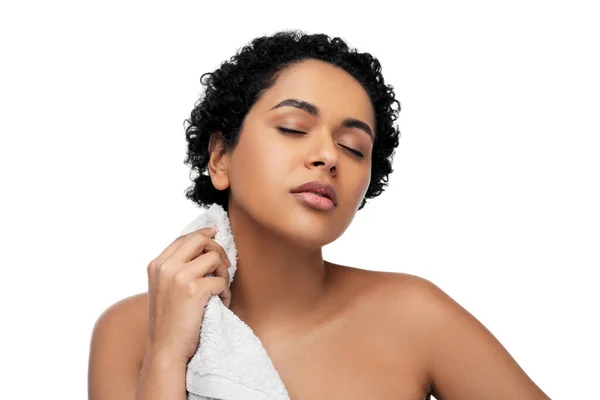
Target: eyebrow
<point>314,111</point>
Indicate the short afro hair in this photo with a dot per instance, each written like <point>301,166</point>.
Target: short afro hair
<point>235,86</point>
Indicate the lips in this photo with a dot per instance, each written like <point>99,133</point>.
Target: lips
<point>319,187</point>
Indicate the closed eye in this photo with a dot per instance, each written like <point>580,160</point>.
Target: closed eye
<point>286,130</point>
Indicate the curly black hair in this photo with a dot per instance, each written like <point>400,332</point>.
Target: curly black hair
<point>235,86</point>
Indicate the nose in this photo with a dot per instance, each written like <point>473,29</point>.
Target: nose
<point>323,151</point>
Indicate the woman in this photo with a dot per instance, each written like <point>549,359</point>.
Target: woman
<point>288,110</point>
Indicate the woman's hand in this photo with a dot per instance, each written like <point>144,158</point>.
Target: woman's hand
<point>178,292</point>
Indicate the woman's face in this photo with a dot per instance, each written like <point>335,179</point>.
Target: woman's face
<point>267,163</point>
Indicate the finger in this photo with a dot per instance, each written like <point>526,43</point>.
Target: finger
<point>217,286</point>
<point>176,244</point>
<point>195,246</point>
<point>209,262</point>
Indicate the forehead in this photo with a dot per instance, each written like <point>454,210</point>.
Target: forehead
<point>337,93</point>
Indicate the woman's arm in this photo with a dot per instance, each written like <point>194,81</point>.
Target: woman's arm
<point>465,361</point>
<point>161,379</point>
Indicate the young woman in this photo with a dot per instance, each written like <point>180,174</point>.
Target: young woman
<point>296,113</point>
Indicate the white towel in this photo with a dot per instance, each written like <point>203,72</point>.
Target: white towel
<point>230,362</point>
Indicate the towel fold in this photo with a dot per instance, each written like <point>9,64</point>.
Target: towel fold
<point>230,363</point>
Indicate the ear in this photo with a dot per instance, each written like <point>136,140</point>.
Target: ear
<point>218,163</point>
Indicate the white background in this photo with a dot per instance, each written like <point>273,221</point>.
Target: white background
<point>494,195</point>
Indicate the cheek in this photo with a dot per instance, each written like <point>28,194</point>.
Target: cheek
<point>260,168</point>
<point>362,180</point>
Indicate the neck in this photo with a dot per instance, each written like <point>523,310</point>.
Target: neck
<point>279,286</point>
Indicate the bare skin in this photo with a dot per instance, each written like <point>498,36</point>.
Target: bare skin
<point>385,335</point>
<point>354,349</point>
<point>351,350</point>
<point>331,331</point>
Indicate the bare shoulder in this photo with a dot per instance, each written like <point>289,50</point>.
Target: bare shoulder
<point>460,357</point>
<point>128,317</point>
<point>384,306</point>
<point>413,304</point>
<point>117,348</point>
<point>406,303</point>
<point>396,289</point>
